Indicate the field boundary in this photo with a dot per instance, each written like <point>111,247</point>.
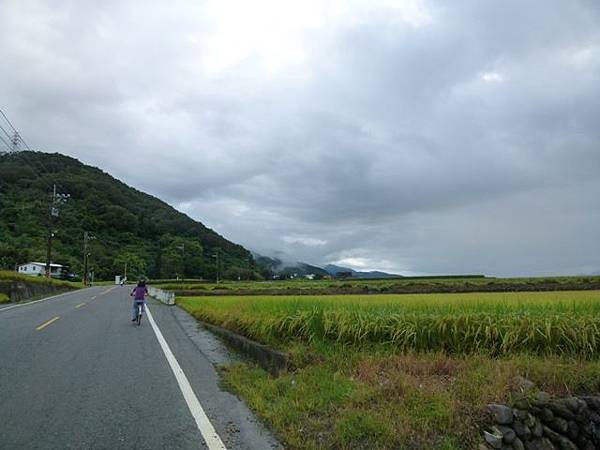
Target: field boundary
<point>407,289</point>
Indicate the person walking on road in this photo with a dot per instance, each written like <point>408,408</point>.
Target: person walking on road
<point>138,293</point>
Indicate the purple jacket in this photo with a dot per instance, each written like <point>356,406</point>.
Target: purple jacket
<point>139,292</point>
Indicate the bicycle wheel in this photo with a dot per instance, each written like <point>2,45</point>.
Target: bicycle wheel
<point>139,315</point>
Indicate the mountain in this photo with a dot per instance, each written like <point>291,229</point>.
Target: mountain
<point>332,269</point>
<point>125,225</point>
<point>270,266</point>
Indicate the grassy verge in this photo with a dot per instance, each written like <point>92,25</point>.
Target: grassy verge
<point>349,399</point>
<point>3,298</point>
<point>405,371</point>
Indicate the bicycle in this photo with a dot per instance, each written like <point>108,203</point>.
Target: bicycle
<point>139,310</point>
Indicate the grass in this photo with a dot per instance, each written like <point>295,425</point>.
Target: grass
<point>345,398</point>
<point>405,371</point>
<point>4,298</point>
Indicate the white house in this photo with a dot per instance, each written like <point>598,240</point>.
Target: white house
<point>38,268</point>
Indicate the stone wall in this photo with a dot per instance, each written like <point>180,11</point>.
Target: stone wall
<point>22,290</point>
<point>538,422</point>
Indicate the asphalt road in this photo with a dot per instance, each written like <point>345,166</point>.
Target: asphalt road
<point>76,373</point>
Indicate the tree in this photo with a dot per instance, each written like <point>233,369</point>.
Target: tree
<point>133,265</point>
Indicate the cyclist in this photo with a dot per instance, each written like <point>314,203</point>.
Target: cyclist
<point>138,293</point>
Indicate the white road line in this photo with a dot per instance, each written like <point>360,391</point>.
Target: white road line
<point>212,439</point>
<point>37,301</point>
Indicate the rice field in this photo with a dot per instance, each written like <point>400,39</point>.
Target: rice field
<point>381,285</point>
<point>565,323</point>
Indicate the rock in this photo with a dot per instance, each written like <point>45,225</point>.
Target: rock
<point>522,384</point>
<point>559,425</point>
<point>547,415</point>
<point>592,402</point>
<point>583,416</point>
<point>595,417</point>
<point>508,434</point>
<point>585,444</point>
<point>581,404</point>
<point>521,403</point>
<point>540,444</point>
<point>529,421</point>
<point>573,430</point>
<point>535,410</point>
<point>551,434</point>
<point>493,437</point>
<point>589,429</point>
<point>518,444</point>
<point>538,429</point>
<point>541,398</point>
<point>521,414</point>
<point>521,429</point>
<point>566,444</point>
<point>571,403</point>
<point>503,415</point>
<point>561,410</point>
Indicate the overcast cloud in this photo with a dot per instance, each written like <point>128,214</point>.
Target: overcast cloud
<point>411,136</point>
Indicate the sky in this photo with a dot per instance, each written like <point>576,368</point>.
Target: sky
<point>411,136</point>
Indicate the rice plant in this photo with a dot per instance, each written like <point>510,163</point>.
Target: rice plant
<point>543,323</point>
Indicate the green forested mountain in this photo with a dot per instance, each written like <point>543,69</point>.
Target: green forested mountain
<point>127,225</point>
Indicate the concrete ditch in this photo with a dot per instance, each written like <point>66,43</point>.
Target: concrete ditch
<point>273,361</point>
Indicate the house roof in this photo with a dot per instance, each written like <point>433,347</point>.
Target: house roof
<point>40,264</point>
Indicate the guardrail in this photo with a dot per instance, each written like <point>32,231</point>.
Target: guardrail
<point>168,298</point>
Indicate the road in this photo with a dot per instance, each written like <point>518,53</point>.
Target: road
<point>76,373</point>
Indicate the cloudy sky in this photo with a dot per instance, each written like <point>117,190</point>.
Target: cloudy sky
<point>419,137</point>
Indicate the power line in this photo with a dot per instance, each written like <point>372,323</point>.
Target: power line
<point>7,121</point>
<point>5,143</point>
<point>14,140</point>
<point>5,132</point>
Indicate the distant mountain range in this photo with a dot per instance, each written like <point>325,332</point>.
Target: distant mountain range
<point>281,268</point>
<point>332,269</point>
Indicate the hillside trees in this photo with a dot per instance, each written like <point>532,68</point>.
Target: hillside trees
<point>123,220</point>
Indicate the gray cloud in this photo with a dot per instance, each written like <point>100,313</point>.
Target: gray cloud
<point>420,138</point>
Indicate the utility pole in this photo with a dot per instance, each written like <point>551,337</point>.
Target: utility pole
<point>86,237</point>
<point>182,248</point>
<point>216,255</point>
<point>85,257</point>
<point>57,199</point>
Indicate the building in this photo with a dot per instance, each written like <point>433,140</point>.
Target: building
<point>38,268</point>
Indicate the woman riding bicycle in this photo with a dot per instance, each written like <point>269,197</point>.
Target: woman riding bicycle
<point>139,293</point>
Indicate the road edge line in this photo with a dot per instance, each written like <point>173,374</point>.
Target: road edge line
<point>208,432</point>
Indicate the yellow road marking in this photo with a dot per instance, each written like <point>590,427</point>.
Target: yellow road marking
<point>45,324</point>
<point>80,305</point>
